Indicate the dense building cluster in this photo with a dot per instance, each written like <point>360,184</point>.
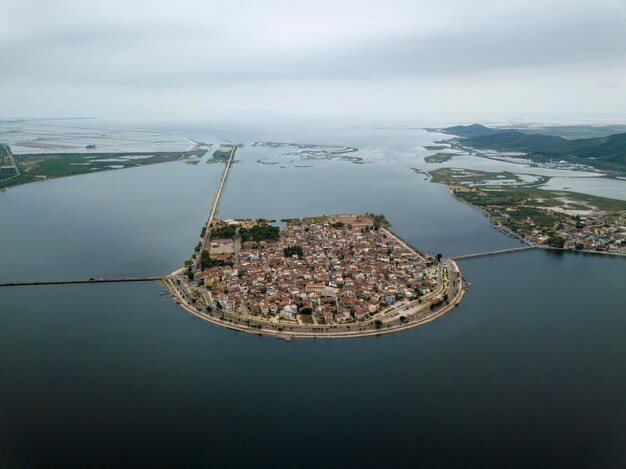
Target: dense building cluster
<point>330,270</point>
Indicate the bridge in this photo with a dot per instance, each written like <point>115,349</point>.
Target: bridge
<point>28,283</point>
<point>493,253</point>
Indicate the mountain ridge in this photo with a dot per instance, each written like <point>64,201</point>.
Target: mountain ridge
<point>605,153</point>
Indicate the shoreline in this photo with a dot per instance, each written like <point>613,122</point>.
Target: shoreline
<point>512,234</point>
<point>429,316</point>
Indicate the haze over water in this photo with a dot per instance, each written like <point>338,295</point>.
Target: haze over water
<point>528,370</point>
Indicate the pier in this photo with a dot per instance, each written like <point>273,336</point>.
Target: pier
<point>493,253</point>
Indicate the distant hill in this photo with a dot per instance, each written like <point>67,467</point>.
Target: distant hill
<point>606,153</point>
<point>473,130</point>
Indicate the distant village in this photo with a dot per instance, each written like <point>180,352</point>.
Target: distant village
<point>580,230</point>
<point>323,270</point>
<point>596,232</point>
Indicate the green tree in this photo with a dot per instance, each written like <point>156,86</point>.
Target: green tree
<point>556,241</point>
<point>291,251</point>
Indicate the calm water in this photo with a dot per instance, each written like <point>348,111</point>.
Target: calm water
<point>528,370</point>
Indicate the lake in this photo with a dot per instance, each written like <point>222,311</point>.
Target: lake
<point>528,370</point>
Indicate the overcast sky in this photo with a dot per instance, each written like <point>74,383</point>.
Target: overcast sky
<point>456,58</point>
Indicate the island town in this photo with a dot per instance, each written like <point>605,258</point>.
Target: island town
<point>339,276</point>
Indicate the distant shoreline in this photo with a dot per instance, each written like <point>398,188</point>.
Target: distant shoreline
<point>512,234</point>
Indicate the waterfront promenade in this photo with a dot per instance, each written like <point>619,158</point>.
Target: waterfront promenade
<point>401,316</point>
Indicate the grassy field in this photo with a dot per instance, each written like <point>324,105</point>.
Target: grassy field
<point>576,131</point>
<point>471,177</point>
<point>222,154</point>
<point>484,192</point>
<point>6,167</point>
<point>36,167</point>
<point>440,157</point>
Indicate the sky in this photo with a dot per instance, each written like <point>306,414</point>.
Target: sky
<point>456,59</point>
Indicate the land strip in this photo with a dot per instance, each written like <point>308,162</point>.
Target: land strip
<point>440,157</point>
<point>37,167</point>
<point>205,235</point>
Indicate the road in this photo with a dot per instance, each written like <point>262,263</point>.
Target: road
<point>405,245</point>
<point>206,239</point>
<point>68,282</point>
<point>7,153</point>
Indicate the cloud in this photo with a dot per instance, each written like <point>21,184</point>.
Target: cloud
<point>177,49</point>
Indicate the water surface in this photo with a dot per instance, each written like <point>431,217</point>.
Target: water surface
<point>527,371</point>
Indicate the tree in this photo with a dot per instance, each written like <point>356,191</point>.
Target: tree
<point>378,323</point>
<point>307,311</point>
<point>205,259</point>
<point>556,241</point>
<point>291,251</point>
<point>263,232</point>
